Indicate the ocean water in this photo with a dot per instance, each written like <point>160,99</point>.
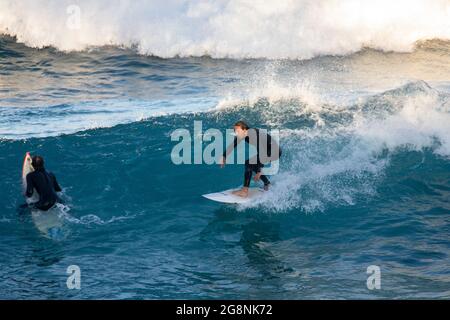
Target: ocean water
<point>364,124</point>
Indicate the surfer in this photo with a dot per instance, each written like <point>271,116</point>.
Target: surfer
<point>44,183</point>
<point>267,150</point>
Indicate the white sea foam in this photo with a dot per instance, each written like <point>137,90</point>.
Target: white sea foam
<point>296,29</point>
<point>341,162</point>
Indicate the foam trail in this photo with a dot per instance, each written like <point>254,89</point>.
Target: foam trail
<point>227,28</point>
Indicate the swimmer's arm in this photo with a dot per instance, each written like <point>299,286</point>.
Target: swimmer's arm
<point>30,187</point>
<point>55,183</point>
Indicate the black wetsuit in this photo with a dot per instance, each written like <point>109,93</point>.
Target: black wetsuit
<point>46,186</point>
<point>255,164</point>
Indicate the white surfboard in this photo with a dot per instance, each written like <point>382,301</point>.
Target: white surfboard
<point>26,169</point>
<point>49,223</point>
<point>228,197</point>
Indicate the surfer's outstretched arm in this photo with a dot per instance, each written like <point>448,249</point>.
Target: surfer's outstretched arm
<point>228,151</point>
<point>274,149</point>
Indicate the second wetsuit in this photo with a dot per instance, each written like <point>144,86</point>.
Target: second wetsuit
<point>46,186</point>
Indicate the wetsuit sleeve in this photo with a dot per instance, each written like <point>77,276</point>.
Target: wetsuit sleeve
<point>55,183</point>
<point>231,147</point>
<point>30,186</point>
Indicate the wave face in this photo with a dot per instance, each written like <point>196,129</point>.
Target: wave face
<point>227,28</point>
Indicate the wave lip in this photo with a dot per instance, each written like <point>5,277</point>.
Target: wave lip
<point>227,29</point>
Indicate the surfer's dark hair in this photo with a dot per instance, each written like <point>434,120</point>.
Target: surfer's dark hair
<point>37,162</point>
<point>242,124</point>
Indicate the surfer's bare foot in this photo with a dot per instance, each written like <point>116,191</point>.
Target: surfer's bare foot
<point>266,187</point>
<point>241,193</point>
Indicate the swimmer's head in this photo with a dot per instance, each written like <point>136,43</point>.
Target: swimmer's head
<point>37,162</point>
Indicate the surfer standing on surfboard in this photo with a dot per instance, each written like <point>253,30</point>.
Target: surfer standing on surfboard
<point>267,150</point>
<point>44,183</point>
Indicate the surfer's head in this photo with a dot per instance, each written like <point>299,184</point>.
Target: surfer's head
<point>37,162</point>
<point>241,128</point>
